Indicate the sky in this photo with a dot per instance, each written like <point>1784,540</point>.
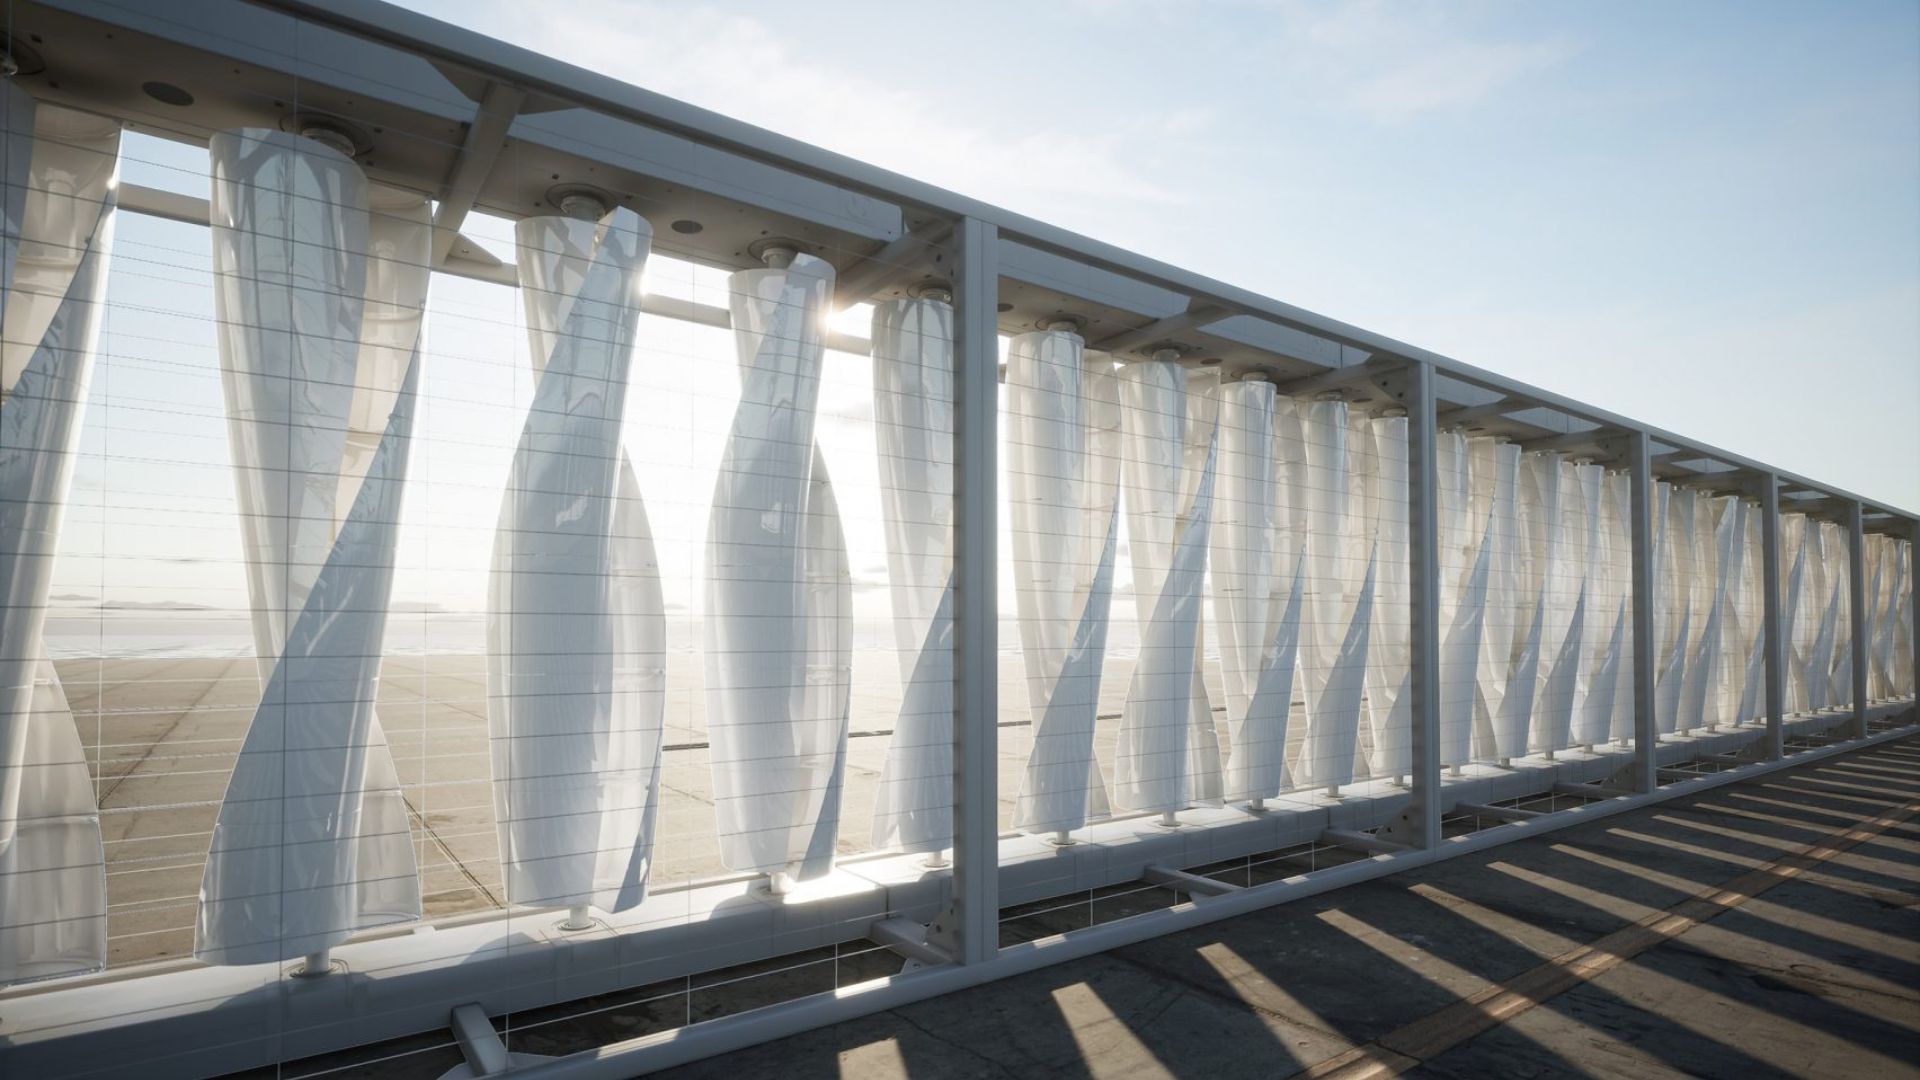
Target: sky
<point>1703,215</point>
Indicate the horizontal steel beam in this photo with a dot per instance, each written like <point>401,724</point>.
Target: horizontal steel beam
<point>1591,791</point>
<point>1501,813</point>
<point>1572,440</point>
<point>1338,378</point>
<point>1471,413</point>
<point>1366,843</point>
<point>1160,329</point>
<point>1185,882</point>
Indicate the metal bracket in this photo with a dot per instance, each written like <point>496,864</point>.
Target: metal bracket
<point>1158,331</point>
<point>1470,413</point>
<point>1184,882</point>
<point>486,1055</point>
<point>1592,791</point>
<point>1498,813</point>
<point>870,273</point>
<point>1364,843</point>
<point>920,946</point>
<point>486,135</point>
<point>1377,370</point>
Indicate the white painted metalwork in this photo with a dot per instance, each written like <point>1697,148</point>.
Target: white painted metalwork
<point>321,282</point>
<point>57,181</point>
<point>1374,559</point>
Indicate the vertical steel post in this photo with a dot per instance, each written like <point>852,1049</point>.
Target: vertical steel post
<point>1857,613</point>
<point>1776,695</point>
<point>1913,626</point>
<point>1646,728</point>
<point>1423,576</point>
<point>976,727</point>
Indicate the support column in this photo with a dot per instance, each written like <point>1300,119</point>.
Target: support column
<point>976,728</point>
<point>1423,547</point>
<point>1857,615</point>
<point>1913,577</point>
<point>1770,615</point>
<point>1640,513</point>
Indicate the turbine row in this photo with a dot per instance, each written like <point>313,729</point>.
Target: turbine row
<point>1287,518</point>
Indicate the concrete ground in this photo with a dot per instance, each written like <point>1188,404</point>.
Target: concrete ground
<point>1765,929</point>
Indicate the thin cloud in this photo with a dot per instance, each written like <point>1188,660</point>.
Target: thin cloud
<point>740,66</point>
<point>1396,61</point>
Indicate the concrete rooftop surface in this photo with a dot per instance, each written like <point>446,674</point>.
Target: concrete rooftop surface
<point>1768,928</point>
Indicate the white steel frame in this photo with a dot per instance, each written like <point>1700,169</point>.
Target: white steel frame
<point>990,246</point>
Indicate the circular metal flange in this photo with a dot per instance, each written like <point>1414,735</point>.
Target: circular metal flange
<point>335,966</point>
<point>1065,323</point>
<point>330,131</point>
<point>19,58</point>
<point>767,249</point>
<point>932,290</point>
<point>568,198</point>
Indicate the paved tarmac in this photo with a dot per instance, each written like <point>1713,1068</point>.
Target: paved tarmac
<point>1765,929</point>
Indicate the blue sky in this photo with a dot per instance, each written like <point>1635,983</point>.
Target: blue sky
<point>1703,215</point>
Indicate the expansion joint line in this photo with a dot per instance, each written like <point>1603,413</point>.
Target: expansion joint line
<point>1422,1040</point>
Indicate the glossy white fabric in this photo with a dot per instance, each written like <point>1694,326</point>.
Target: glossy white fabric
<point>1713,680</point>
<point>1557,535</point>
<point>1838,650</point>
<point>1901,633</point>
<point>1825,612</point>
<point>1167,755</point>
<point>1750,623</point>
<point>1390,642</point>
<point>1673,597</point>
<point>576,631</point>
<point>1340,578</point>
<point>1875,552</point>
<point>1063,474</point>
<point>1700,693</point>
<point>1797,624</point>
<point>1603,626</point>
<point>320,306</point>
<point>57,193</point>
<point>1509,657</point>
<point>1888,564</point>
<point>1463,562</point>
<point>1257,547</point>
<point>913,396</point>
<point>779,592</point>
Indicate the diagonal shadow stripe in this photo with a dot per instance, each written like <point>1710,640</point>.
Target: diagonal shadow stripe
<point>1412,1044</point>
